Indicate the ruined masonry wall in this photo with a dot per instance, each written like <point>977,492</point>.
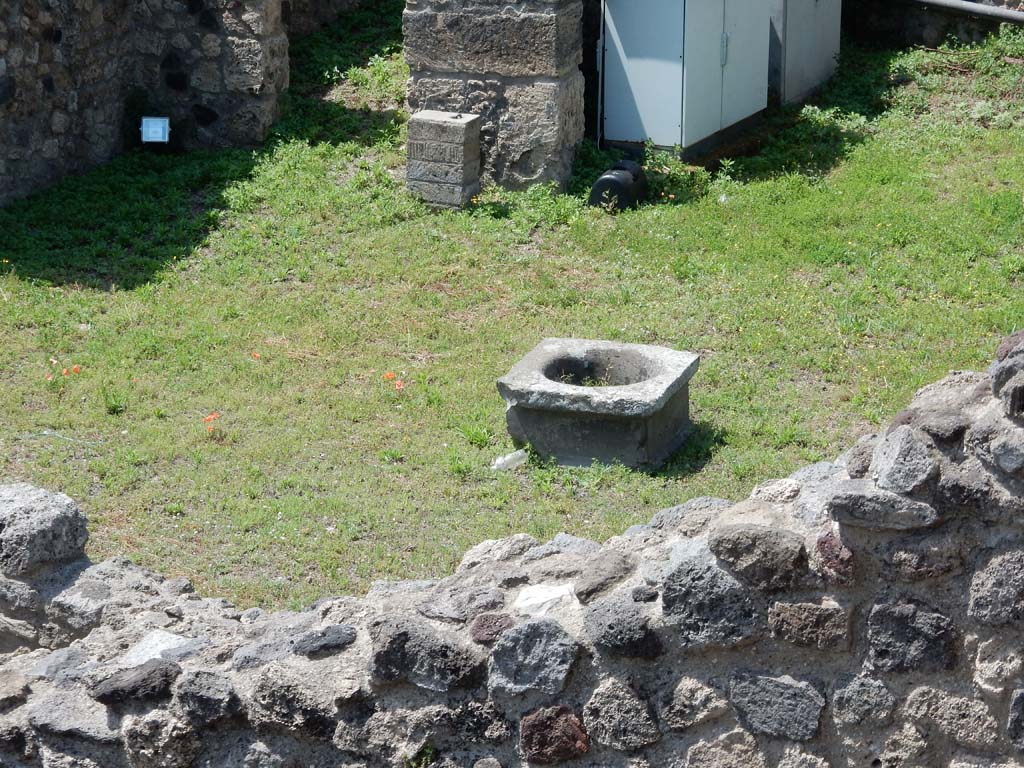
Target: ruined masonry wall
<point>76,76</point>
<point>862,612</point>
<point>517,66</point>
<point>60,75</point>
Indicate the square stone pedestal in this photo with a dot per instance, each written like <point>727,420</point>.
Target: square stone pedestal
<point>580,401</point>
<point>444,157</point>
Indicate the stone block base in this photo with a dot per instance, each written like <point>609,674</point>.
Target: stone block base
<point>444,157</point>
<point>579,401</point>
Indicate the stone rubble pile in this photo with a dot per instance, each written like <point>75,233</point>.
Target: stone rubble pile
<point>863,612</point>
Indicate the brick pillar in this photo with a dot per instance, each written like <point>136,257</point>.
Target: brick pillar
<point>517,66</point>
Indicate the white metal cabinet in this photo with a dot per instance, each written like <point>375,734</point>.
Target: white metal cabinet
<point>747,35</point>
<point>679,71</point>
<point>805,35</point>
<point>703,72</point>
<point>643,70</point>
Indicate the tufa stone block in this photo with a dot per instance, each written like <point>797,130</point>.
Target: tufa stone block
<point>444,157</point>
<point>504,42</point>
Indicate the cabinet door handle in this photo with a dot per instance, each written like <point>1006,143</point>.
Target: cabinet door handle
<point>725,49</point>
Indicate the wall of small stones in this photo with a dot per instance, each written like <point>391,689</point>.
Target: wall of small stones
<point>60,74</point>
<point>77,75</point>
<point>515,65</point>
<point>215,67</point>
<point>864,612</point>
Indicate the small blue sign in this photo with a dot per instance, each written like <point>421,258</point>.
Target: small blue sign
<point>156,130</point>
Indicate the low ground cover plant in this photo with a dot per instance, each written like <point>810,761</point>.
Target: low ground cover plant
<point>280,367</point>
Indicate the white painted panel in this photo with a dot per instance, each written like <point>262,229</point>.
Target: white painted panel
<point>745,83</point>
<point>702,89</point>
<point>811,46</point>
<point>643,70</point>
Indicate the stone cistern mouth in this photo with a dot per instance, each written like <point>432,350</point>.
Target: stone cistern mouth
<point>600,368</point>
<point>584,400</point>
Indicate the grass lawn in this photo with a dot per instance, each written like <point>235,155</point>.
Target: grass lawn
<point>870,244</point>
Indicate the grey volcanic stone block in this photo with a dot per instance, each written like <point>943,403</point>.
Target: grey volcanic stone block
<point>905,637</point>
<point>1015,721</point>
<point>207,696</point>
<point>152,680</point>
<point>1012,396</point>
<point>767,559</point>
<point>13,690</point>
<point>506,43</point>
<point>709,606</point>
<point>600,573</point>
<point>622,627</point>
<point>38,528</point>
<point>616,717</point>
<point>71,714</point>
<point>1008,452</point>
<point>579,401</point>
<point>778,706</point>
<point>997,590</point>
<point>535,656</point>
<point>863,701</point>
<point>901,461</point>
<point>861,504</point>
<point>283,698</point>
<point>1007,369</point>
<point>324,641</point>
<point>410,650</point>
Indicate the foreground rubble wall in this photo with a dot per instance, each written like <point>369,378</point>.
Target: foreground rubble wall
<point>863,612</point>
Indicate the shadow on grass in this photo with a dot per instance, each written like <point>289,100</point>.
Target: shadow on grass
<point>703,443</point>
<point>812,139</point>
<point>322,59</point>
<point>120,225</point>
<point>326,122</point>
<point>809,139</point>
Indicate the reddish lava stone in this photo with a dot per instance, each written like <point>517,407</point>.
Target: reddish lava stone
<point>835,558</point>
<point>1010,344</point>
<point>488,627</point>
<point>553,735</point>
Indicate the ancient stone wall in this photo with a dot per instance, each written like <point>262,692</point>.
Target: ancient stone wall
<point>77,75</point>
<point>862,612</point>
<point>515,65</point>
<point>215,67</point>
<point>60,88</point>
